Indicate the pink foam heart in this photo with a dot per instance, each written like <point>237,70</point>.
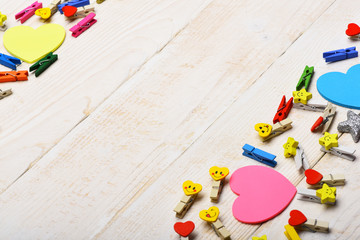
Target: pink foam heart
<point>263,193</point>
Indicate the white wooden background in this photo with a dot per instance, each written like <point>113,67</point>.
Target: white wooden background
<point>155,93</point>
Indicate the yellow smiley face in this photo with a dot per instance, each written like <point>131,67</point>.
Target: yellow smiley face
<point>218,173</point>
<point>44,13</point>
<point>191,188</point>
<point>264,129</point>
<point>209,215</point>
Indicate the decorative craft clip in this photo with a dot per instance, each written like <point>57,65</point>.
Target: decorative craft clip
<point>326,119</point>
<point>353,31</point>
<point>13,76</point>
<point>340,54</point>
<point>329,143</point>
<point>300,222</point>
<point>325,195</point>
<point>100,1</point>
<point>191,191</point>
<point>2,22</point>
<point>46,13</point>
<point>259,155</point>
<point>293,148</point>
<point>9,61</point>
<point>4,94</point>
<point>218,175</point>
<point>184,229</point>
<point>73,3</point>
<point>316,179</point>
<point>301,99</point>
<point>305,78</point>
<point>41,65</point>
<point>211,216</point>
<point>283,109</point>
<point>291,233</point>
<point>80,12</point>
<point>28,12</point>
<point>351,125</point>
<point>267,131</point>
<point>263,237</point>
<point>83,25</point>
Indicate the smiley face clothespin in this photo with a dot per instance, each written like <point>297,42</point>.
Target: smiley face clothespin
<point>191,191</point>
<point>325,195</point>
<point>267,131</point>
<point>218,175</point>
<point>329,143</point>
<point>184,229</point>
<point>211,216</point>
<point>293,148</point>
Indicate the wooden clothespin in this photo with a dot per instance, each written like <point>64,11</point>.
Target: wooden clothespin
<point>28,12</point>
<point>340,54</point>
<point>83,25</point>
<point>267,131</point>
<point>46,13</point>
<point>301,99</point>
<point>293,148</point>
<point>211,216</point>
<point>41,65</point>
<point>80,12</point>
<point>316,179</point>
<point>326,119</point>
<point>191,191</point>
<point>283,109</point>
<point>9,61</point>
<point>13,76</point>
<point>73,3</point>
<point>291,233</point>
<point>2,22</point>
<point>259,155</point>
<point>329,143</point>
<point>218,175</point>
<point>353,31</point>
<point>300,222</point>
<point>305,78</point>
<point>325,195</point>
<point>4,94</point>
<point>100,1</point>
<point>184,229</point>
<point>263,237</point>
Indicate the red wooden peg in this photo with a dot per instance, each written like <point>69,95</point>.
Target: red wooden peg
<point>283,110</point>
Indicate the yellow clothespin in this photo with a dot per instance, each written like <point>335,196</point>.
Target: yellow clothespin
<point>300,222</point>
<point>267,131</point>
<point>293,148</point>
<point>100,1</point>
<point>46,13</point>
<point>325,195</point>
<point>191,191</point>
<point>263,237</point>
<point>291,233</point>
<point>211,216</point>
<point>329,143</point>
<point>218,175</point>
<point>2,22</point>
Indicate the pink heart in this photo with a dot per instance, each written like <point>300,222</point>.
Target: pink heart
<point>263,193</point>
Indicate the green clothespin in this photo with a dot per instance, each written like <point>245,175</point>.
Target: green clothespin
<point>41,65</point>
<point>305,78</point>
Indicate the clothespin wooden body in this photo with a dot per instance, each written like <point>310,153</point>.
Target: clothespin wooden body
<point>82,12</point>
<point>13,76</point>
<point>326,119</point>
<point>28,12</point>
<point>340,54</point>
<point>218,175</point>
<point>283,109</point>
<point>267,131</point>
<point>9,61</point>
<point>293,148</point>
<point>46,13</point>
<point>316,179</point>
<point>41,65</point>
<point>325,195</point>
<point>4,94</point>
<point>83,25</point>
<point>74,3</point>
<point>184,229</point>
<point>314,107</point>
<point>211,216</point>
<point>259,155</point>
<point>305,78</point>
<point>191,191</point>
<point>300,222</point>
<point>330,144</point>
<point>291,233</point>
<point>2,22</point>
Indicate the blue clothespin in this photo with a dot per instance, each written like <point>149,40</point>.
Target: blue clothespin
<point>9,61</point>
<point>341,54</point>
<point>259,155</point>
<point>74,3</point>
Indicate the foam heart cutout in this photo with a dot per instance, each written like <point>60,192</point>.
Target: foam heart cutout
<point>312,176</point>
<point>191,188</point>
<point>352,30</point>
<point>218,173</point>
<point>210,215</point>
<point>69,10</point>
<point>263,193</point>
<point>31,45</point>
<point>184,229</point>
<point>296,218</point>
<point>264,129</point>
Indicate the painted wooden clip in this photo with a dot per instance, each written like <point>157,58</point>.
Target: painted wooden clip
<point>211,216</point>
<point>2,22</point>
<point>83,25</point>
<point>291,233</point>
<point>326,119</point>
<point>329,143</point>
<point>316,179</point>
<point>80,12</point>
<point>41,65</point>
<point>218,175</point>
<point>46,13</point>
<point>305,78</point>
<point>259,155</point>
<point>100,1</point>
<point>283,109</point>
<point>300,222</point>
<point>4,94</point>
<point>326,195</point>
<point>267,131</point>
<point>340,54</point>
<point>28,12</point>
<point>263,237</point>
<point>301,99</point>
<point>73,3</point>
<point>293,148</point>
<point>184,229</point>
<point>13,76</point>
<point>9,61</point>
<point>191,191</point>
<point>353,31</point>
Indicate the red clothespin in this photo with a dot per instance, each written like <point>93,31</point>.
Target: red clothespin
<point>283,110</point>
<point>13,76</point>
<point>28,12</point>
<point>353,30</point>
<point>83,25</point>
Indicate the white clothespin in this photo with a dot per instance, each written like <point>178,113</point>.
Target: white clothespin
<point>325,195</point>
<point>267,131</point>
<point>314,106</point>
<point>300,222</point>
<point>326,119</point>
<point>293,148</point>
<point>330,144</point>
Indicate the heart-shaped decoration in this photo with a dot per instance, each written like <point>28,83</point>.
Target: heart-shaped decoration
<point>191,188</point>
<point>296,218</point>
<point>313,176</point>
<point>31,45</point>
<point>352,30</point>
<point>69,10</point>
<point>209,215</point>
<point>218,173</point>
<point>264,129</point>
<point>44,13</point>
<point>263,193</point>
<point>184,229</point>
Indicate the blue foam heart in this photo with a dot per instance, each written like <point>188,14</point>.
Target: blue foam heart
<point>341,89</point>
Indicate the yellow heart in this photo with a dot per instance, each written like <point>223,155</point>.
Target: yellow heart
<point>264,129</point>
<point>44,13</point>
<point>31,45</point>
<point>218,173</point>
<point>191,188</point>
<point>209,215</point>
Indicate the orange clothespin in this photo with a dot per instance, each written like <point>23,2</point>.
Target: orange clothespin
<point>13,76</point>
<point>283,110</point>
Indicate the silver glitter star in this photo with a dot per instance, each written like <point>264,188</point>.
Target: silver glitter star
<point>351,125</point>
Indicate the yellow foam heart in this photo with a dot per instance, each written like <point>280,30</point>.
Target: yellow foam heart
<point>30,45</point>
<point>44,13</point>
<point>209,215</point>
<point>218,173</point>
<point>191,188</point>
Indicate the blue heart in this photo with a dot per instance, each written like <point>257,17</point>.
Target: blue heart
<point>341,89</point>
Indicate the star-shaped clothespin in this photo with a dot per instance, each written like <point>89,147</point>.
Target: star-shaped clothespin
<point>290,147</point>
<point>329,140</point>
<point>301,96</point>
<point>263,237</point>
<point>351,125</point>
<point>326,194</point>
